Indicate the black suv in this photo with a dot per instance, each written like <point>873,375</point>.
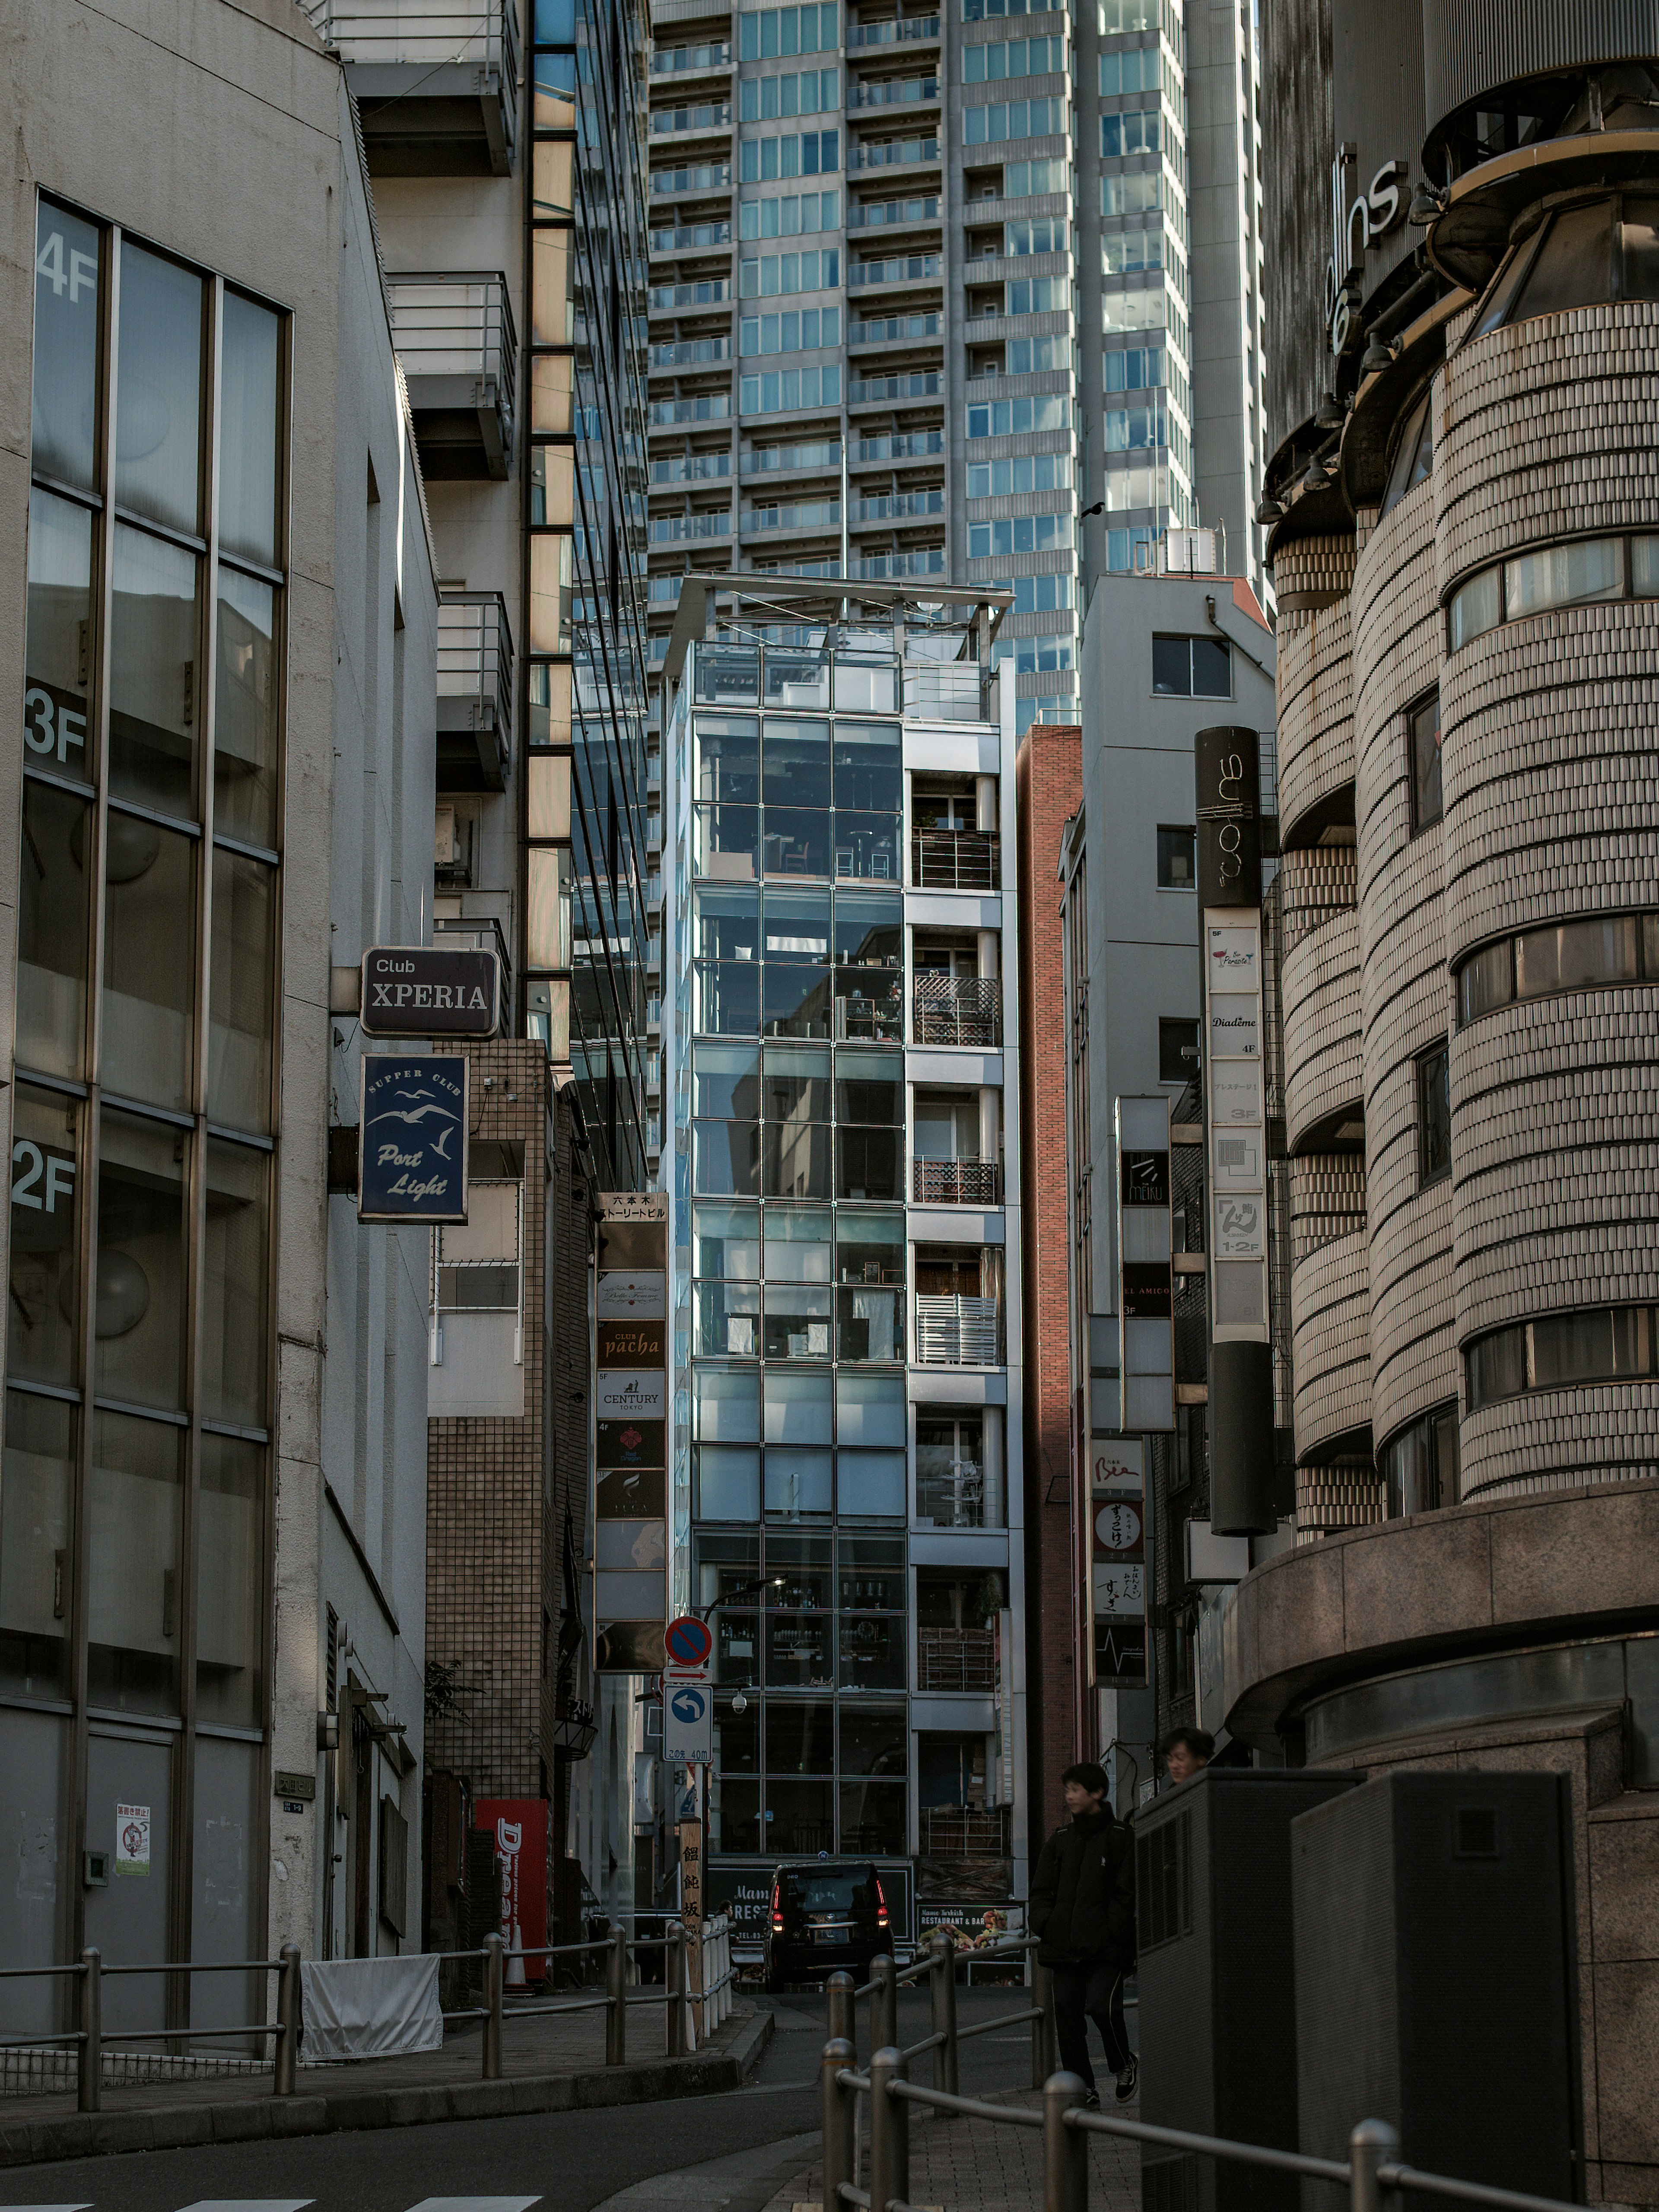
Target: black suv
<point>823,1916</point>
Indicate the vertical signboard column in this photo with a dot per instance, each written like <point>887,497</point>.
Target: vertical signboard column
<point>1241,1421</point>
<point>630,1431</point>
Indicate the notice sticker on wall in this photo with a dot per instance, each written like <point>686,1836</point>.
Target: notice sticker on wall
<point>132,1840</point>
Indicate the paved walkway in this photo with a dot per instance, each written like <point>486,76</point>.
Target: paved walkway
<point>978,2165</point>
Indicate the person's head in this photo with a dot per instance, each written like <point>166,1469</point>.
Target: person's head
<point>1085,1787</point>
<point>1184,1751</point>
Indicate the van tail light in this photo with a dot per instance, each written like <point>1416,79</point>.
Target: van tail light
<point>881,1903</point>
<point>777,1905</point>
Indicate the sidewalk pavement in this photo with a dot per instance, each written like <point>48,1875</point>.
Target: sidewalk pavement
<point>548,2065</point>
<point>976,2166</point>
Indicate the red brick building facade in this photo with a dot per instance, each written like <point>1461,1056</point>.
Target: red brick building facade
<point>1049,790</point>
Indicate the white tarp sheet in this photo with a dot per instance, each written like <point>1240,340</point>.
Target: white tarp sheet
<point>369,2008</point>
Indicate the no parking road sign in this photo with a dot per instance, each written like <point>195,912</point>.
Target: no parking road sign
<point>688,1723</point>
<point>688,1643</point>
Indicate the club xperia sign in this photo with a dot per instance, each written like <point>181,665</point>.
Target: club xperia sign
<point>430,991</point>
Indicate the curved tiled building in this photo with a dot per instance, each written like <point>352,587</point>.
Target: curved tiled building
<point>1464,505</point>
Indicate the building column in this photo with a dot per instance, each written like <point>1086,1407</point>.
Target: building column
<point>995,1516</point>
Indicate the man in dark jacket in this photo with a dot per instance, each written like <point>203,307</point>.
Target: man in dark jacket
<point>1083,1909</point>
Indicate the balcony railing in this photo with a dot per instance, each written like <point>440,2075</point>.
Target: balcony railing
<point>702,177</point>
<point>436,86</point>
<point>825,454</point>
<point>708,115</point>
<point>871,214</point>
<point>954,1182</point>
<point>956,861</point>
<point>703,407</point>
<point>681,61</point>
<point>900,446</point>
<point>897,268</point>
<point>899,506</point>
<point>704,292</point>
<point>454,334</point>
<point>805,514</point>
<point>692,468</point>
<point>691,236</point>
<point>689,353</point>
<point>890,568</point>
<point>954,1332</point>
<point>956,1659</point>
<point>895,92</point>
<point>952,1831</point>
<point>959,1010</point>
<point>886,154</point>
<point>887,330</point>
<point>672,529</point>
<point>475,692</point>
<point>949,1492</point>
<point>891,32</point>
<point>917,384</point>
<point>954,693</point>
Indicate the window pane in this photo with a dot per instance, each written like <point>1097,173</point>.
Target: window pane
<point>870,1410</point>
<point>1573,1347</point>
<point>248,431</point>
<point>1575,955</point>
<point>873,1741</point>
<point>52,931</point>
<point>873,1652</point>
<point>229,1608</point>
<point>870,1087</point>
<point>132,1533</point>
<point>1477,608</point>
<point>59,651</point>
<point>797,1159</point>
<point>873,1817</point>
<point>729,997</point>
<point>800,1739</point>
<point>869,1163</point>
<point>152,676</point>
<point>797,1484</point>
<point>1485,982</point>
<point>1563,575</point>
<point>727,1242</point>
<point>139,1323</point>
<point>1212,673</point>
<point>737,1738</point>
<point>1497,1367</point>
<point>1644,567</point>
<point>37,1492</point>
<point>726,1159</point>
<point>1172,667</point>
<point>234,1286</point>
<point>798,1244</point>
<point>66,284</point>
<point>796,763</point>
<point>727,1404</point>
<point>1176,870</point>
<point>728,1483</point>
<point>734,1823</point>
<point>244,711</point>
<point>798,1412</point>
<point>1574,265</point>
<point>1434,1113</point>
<point>801,1816</point>
<point>150,967</point>
<point>868,773</point>
<point>870,1486</point>
<point>1177,1051</point>
<point>1427,805</point>
<point>241,983</point>
<point>158,398</point>
<point>41,1321</point>
<point>870,1249</point>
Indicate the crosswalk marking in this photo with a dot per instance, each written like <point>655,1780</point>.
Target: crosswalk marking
<point>49,2207</point>
<point>475,2205</point>
<point>249,2204</point>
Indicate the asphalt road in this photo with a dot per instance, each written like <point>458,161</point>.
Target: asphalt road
<point>725,2153</point>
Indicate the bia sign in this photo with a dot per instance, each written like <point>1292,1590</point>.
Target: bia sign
<point>1356,225</point>
<point>427,991</point>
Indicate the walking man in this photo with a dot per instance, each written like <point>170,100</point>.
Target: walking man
<point>1185,1752</point>
<point>1083,1911</point>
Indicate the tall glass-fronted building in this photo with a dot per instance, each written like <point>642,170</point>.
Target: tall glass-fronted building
<point>842,1157</point>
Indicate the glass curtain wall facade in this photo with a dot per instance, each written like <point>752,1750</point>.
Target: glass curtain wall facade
<point>922,290</point>
<point>135,1493</point>
<point>807,1278</point>
<point>586,780</point>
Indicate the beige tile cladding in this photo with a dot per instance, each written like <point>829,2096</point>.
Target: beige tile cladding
<point>1322,1066</point>
<point>1316,706</point>
<point>1406,993</point>
<point>1552,809</point>
<point>1330,1348</point>
<point>484,1521</point>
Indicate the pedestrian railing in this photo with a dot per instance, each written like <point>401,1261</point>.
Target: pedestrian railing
<point>1373,2167</point>
<point>695,2001</point>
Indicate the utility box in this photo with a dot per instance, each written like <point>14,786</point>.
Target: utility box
<point>1218,2017</point>
<point>1437,1976</point>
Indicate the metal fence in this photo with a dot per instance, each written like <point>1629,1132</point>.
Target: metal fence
<point>959,1010</point>
<point>953,1182</point>
<point>1372,2170</point>
<point>697,1979</point>
<point>952,1332</point>
<point>956,861</point>
<point>956,1659</point>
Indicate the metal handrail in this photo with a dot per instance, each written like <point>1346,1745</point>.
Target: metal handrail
<point>1372,2166</point>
